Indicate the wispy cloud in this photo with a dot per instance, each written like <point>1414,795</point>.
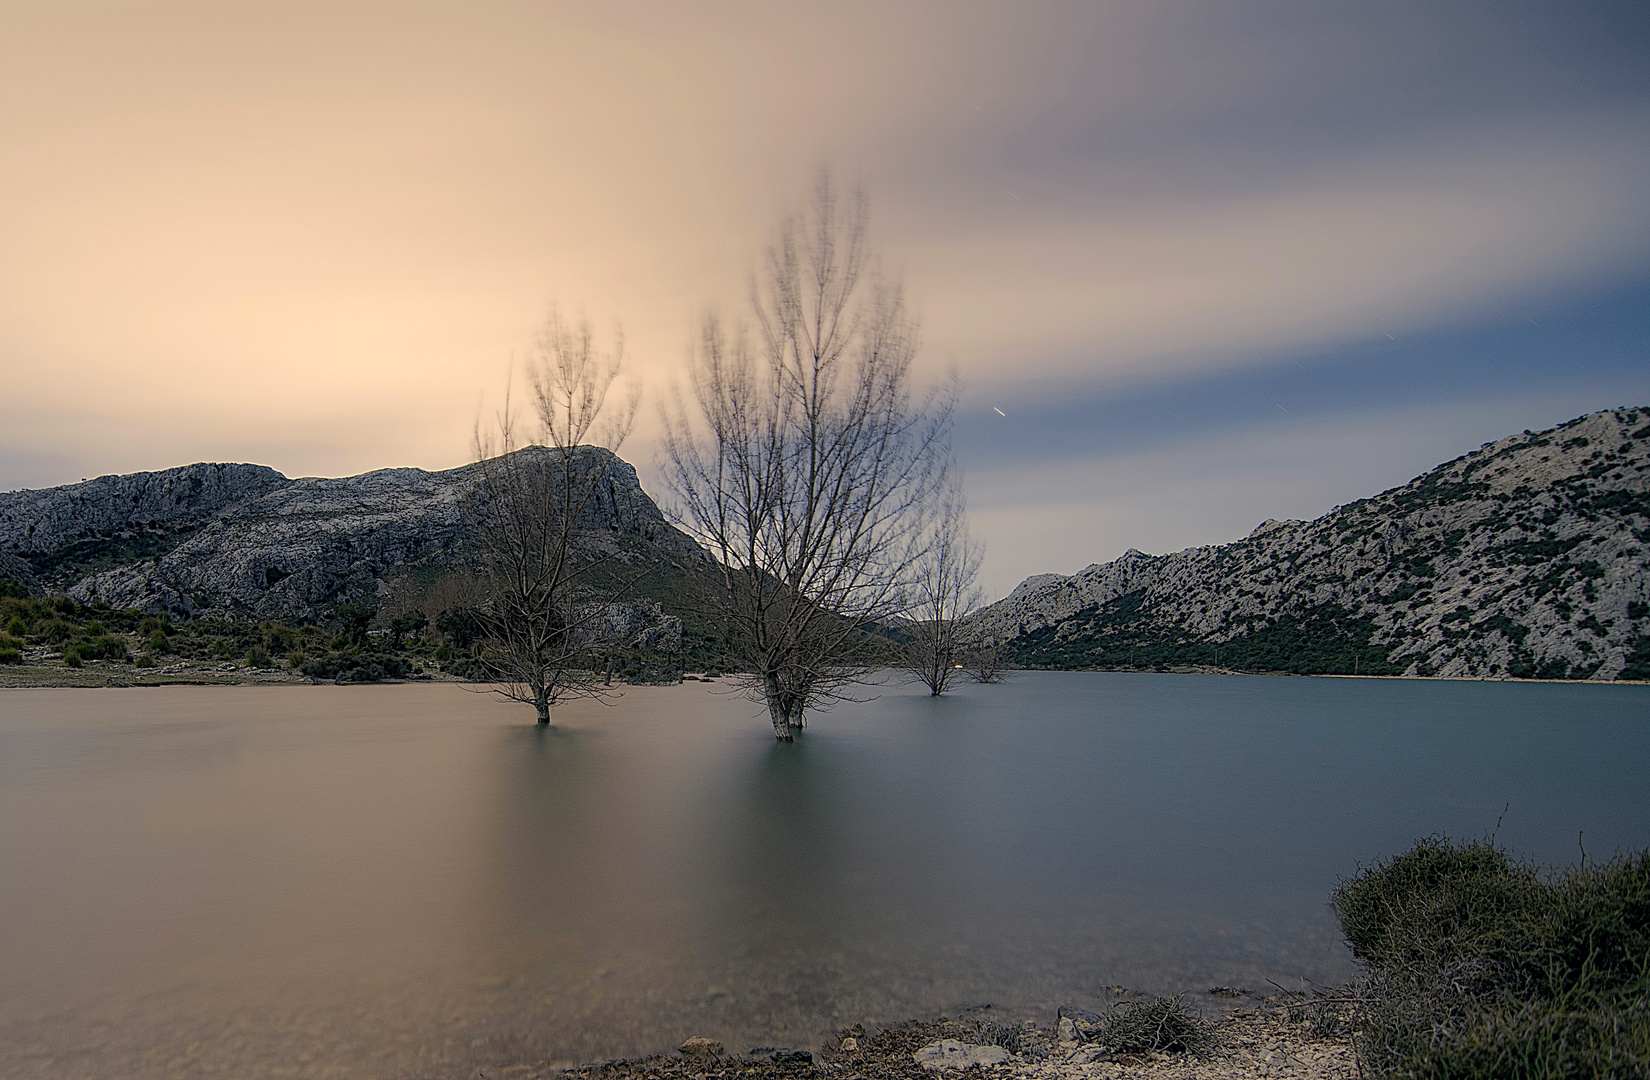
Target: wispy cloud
<point>316,236</point>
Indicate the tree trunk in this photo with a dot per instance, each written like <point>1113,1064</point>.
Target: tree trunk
<point>782,728</point>
<point>780,710</point>
<point>541,702</point>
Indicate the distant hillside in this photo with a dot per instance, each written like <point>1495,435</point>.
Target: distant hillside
<point>1524,558</point>
<point>243,541</point>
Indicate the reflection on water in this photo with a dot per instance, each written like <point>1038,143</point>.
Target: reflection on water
<point>414,880</point>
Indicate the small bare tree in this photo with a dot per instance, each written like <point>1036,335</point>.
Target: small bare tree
<point>942,591</point>
<point>807,461</point>
<point>982,662</point>
<point>550,571</point>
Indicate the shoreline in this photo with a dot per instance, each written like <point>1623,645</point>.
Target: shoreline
<point>1265,1040</point>
<point>111,674</point>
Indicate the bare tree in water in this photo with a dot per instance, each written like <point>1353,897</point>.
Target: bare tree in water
<point>543,519</point>
<point>805,458</point>
<point>982,662</point>
<point>942,591</point>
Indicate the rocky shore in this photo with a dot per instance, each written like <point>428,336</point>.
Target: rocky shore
<point>1262,1040</point>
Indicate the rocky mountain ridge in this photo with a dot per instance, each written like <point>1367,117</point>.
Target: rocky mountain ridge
<point>244,541</point>
<point>1524,558</point>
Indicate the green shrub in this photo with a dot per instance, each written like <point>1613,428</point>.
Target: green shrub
<point>220,649</point>
<point>71,656</point>
<point>9,655</point>
<point>257,656</point>
<point>1481,965</point>
<point>16,627</point>
<point>94,629</point>
<point>101,647</point>
<point>158,642</point>
<point>55,631</point>
<point>145,660</point>
<point>355,667</point>
<point>156,624</point>
<point>295,659</point>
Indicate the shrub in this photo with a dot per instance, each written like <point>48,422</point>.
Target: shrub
<point>461,626</point>
<point>220,649</point>
<point>156,624</point>
<point>353,667</point>
<point>295,659</point>
<point>17,627</point>
<point>1481,965</point>
<point>158,642</point>
<point>1160,1025</point>
<point>94,629</point>
<point>101,647</point>
<point>468,667</point>
<point>257,656</point>
<point>9,655</point>
<point>144,661</point>
<point>55,631</point>
<point>71,656</point>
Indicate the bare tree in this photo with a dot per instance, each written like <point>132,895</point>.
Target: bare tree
<point>982,662</point>
<point>550,572</point>
<point>807,459</point>
<point>942,590</point>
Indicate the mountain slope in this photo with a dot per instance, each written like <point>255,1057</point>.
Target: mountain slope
<point>247,542</point>
<point>1524,558</point>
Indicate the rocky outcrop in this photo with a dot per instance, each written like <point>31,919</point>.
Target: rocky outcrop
<point>18,572</point>
<point>246,542</point>
<point>1523,558</point>
<point>67,531</point>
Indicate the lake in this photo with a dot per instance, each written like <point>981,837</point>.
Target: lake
<point>389,881</point>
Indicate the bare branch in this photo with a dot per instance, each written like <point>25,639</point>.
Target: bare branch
<point>943,591</point>
<point>805,462</point>
<point>552,574</point>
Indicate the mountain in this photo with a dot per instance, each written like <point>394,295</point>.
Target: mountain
<point>244,541</point>
<point>1524,558</point>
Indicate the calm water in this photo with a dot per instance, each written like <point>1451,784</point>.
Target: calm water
<point>414,881</point>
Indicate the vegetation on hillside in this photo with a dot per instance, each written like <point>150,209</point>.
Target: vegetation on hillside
<point>356,643</point>
<point>1326,640</point>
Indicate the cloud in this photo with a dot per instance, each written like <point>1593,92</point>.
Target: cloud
<point>316,236</point>
<point>1394,241</point>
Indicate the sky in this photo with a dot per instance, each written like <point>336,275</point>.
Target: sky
<point>1197,264</point>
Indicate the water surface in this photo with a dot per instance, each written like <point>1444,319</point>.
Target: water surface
<point>416,881</point>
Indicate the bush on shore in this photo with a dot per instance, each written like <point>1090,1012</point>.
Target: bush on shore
<point>1482,965</point>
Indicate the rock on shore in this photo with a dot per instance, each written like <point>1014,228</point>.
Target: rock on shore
<point>1248,1044</point>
